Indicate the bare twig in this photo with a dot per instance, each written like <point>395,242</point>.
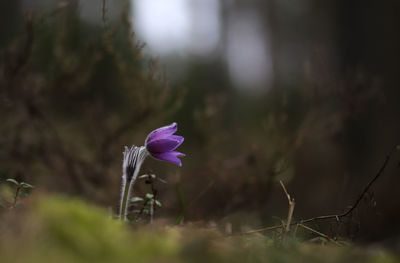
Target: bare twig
<point>291,207</point>
<point>319,233</point>
<point>335,216</point>
<point>338,216</point>
<point>262,229</point>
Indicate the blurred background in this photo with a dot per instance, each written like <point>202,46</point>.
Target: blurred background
<point>265,90</point>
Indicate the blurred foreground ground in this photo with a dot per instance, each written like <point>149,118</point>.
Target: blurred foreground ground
<point>59,229</point>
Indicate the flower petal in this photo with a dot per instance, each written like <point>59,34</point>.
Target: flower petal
<point>162,132</point>
<point>171,157</point>
<point>166,144</point>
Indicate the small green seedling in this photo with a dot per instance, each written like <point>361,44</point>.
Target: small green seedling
<point>148,203</point>
<point>21,190</point>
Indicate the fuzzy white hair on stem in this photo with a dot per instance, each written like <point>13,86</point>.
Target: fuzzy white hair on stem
<point>133,159</point>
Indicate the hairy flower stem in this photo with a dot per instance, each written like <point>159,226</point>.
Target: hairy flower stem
<point>123,210</point>
<point>126,195</point>
<point>133,159</point>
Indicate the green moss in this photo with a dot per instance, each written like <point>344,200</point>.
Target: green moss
<point>60,229</point>
<point>68,230</point>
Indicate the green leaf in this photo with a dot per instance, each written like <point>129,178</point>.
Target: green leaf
<point>158,203</point>
<point>149,196</point>
<point>136,199</point>
<point>12,181</point>
<point>26,186</point>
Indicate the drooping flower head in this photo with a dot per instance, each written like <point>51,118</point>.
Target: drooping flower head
<point>133,159</point>
<point>161,144</point>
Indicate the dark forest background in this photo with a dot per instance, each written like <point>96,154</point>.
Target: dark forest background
<point>73,93</point>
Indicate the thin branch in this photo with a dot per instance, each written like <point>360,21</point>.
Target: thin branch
<point>370,183</point>
<point>319,233</point>
<point>291,207</point>
<point>286,192</point>
<point>336,216</point>
<point>262,229</point>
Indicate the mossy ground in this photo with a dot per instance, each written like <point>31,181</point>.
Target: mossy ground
<point>60,229</point>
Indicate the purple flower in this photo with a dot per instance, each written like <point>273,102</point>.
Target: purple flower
<point>161,144</point>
